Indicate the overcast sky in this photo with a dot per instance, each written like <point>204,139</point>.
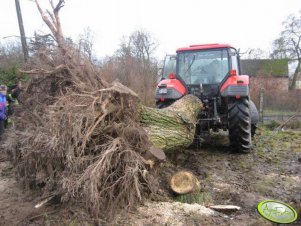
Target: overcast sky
<point>242,23</point>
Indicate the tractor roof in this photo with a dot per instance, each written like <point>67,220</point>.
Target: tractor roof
<point>204,46</point>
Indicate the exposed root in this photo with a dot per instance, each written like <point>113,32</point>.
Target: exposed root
<point>79,137</point>
<point>76,135</point>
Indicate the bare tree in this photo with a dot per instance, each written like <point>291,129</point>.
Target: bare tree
<point>288,45</point>
<point>53,21</point>
<point>41,42</point>
<point>140,44</point>
<point>134,65</point>
<point>86,42</point>
<point>10,54</point>
<point>256,54</point>
<point>66,58</point>
<point>143,44</point>
<point>125,48</point>
<point>279,49</point>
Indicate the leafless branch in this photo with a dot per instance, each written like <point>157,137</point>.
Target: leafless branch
<point>59,6</point>
<point>45,72</point>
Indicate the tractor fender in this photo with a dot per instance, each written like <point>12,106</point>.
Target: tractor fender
<point>237,85</point>
<point>170,89</point>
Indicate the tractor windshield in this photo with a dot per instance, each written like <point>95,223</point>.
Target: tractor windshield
<point>204,66</point>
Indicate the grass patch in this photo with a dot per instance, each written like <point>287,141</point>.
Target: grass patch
<point>277,140</point>
<point>271,125</point>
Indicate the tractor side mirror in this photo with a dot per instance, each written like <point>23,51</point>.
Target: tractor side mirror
<point>233,72</point>
<point>172,76</point>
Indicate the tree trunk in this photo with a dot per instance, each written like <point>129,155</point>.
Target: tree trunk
<point>172,127</point>
<point>297,70</point>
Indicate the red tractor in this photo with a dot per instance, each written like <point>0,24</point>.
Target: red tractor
<point>212,73</point>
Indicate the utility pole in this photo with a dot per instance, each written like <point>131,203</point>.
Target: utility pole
<point>22,33</point>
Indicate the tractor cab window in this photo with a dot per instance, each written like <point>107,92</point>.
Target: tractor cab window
<point>204,66</point>
<point>169,65</point>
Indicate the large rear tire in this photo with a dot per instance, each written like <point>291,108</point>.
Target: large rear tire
<point>239,122</point>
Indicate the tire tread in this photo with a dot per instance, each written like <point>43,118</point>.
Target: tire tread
<point>239,122</point>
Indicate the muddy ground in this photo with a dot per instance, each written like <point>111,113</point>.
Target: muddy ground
<point>271,171</point>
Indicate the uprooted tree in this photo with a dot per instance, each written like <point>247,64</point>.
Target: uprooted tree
<point>85,140</point>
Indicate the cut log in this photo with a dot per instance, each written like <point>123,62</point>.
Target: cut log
<point>173,127</point>
<point>184,182</point>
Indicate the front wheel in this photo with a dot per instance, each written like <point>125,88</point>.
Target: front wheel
<point>239,123</point>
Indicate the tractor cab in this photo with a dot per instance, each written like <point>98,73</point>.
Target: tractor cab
<point>201,69</point>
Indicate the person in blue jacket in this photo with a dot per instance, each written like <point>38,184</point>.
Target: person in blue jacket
<point>13,93</point>
<point>3,109</point>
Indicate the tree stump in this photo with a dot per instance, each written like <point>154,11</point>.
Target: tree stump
<point>184,182</point>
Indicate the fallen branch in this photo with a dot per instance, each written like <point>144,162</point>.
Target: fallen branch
<point>280,127</point>
<point>43,202</point>
<point>56,70</point>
